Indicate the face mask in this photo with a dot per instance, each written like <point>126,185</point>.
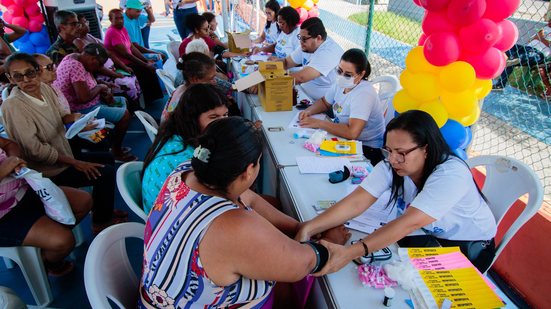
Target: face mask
<point>344,82</point>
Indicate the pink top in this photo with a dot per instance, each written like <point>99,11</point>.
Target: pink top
<point>11,190</point>
<point>114,37</point>
<point>71,71</point>
<point>185,42</point>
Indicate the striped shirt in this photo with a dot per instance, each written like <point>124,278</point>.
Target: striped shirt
<point>173,276</point>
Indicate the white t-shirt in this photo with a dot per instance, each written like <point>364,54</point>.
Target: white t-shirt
<point>450,196</point>
<point>362,102</point>
<point>270,33</point>
<point>323,60</point>
<point>545,50</point>
<point>287,43</point>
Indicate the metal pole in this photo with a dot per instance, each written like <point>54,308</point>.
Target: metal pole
<point>369,26</point>
<point>225,13</point>
<point>257,15</point>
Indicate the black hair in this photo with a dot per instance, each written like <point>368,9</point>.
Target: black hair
<point>61,17</point>
<point>290,16</point>
<point>195,21</point>
<point>184,120</point>
<point>209,16</point>
<point>96,50</point>
<point>81,16</point>
<point>274,6</point>
<point>20,57</point>
<point>233,144</point>
<point>113,12</point>
<point>195,65</point>
<point>358,58</point>
<point>315,27</point>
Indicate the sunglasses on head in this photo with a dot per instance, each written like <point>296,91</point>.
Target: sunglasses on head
<point>50,67</point>
<point>18,77</point>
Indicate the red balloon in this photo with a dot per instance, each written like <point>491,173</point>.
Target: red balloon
<point>302,13</point>
<point>20,21</point>
<point>434,5</point>
<point>416,2</point>
<point>422,39</point>
<point>314,12</point>
<point>32,10</point>
<point>21,3</point>
<point>509,35</point>
<point>35,26</point>
<point>489,64</point>
<point>497,10</point>
<point>15,11</point>
<point>441,48</point>
<point>7,18</point>
<point>465,12</point>
<point>37,18</point>
<point>6,3</point>
<point>480,36</point>
<point>435,22</point>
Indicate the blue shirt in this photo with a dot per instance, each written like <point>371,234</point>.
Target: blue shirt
<point>134,28</point>
<point>166,160</point>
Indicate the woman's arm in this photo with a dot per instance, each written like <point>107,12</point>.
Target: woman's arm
<point>350,130</point>
<point>267,49</point>
<point>17,32</point>
<point>85,94</point>
<point>281,221</point>
<point>261,38</point>
<point>10,147</point>
<point>320,106</point>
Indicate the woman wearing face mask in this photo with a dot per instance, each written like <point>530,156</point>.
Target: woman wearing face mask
<point>355,104</point>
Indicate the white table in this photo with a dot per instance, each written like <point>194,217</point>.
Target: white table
<point>343,289</point>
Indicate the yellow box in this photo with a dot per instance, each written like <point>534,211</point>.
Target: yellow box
<point>239,42</point>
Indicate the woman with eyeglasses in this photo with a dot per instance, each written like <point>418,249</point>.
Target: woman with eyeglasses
<point>287,40</point>
<point>432,190</point>
<point>358,113</point>
<point>271,29</point>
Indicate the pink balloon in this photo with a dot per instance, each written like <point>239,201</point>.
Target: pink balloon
<point>7,17</point>
<point>314,12</point>
<point>6,3</point>
<point>509,35</point>
<point>497,10</point>
<point>15,11</point>
<point>435,22</point>
<point>465,12</point>
<point>489,64</point>
<point>441,48</point>
<point>422,39</point>
<point>434,5</point>
<point>35,26</point>
<point>478,37</point>
<point>20,21</point>
<point>303,14</point>
<point>32,10</point>
<point>37,18</point>
<point>21,3</point>
<point>416,2</point>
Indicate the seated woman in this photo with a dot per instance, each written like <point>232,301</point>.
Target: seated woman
<point>287,40</point>
<point>202,224</point>
<point>23,221</point>
<point>271,30</point>
<point>34,119</point>
<point>355,104</point>
<point>432,189</point>
<point>75,79</point>
<point>213,25</point>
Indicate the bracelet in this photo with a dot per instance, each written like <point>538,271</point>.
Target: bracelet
<point>322,255</point>
<point>366,250</point>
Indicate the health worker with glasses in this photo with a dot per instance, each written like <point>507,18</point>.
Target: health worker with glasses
<point>432,190</point>
<point>318,55</point>
<point>359,115</point>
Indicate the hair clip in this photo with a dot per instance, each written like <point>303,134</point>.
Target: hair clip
<point>180,60</point>
<point>202,154</point>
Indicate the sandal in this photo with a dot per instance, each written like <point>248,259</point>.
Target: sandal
<point>59,269</point>
<point>117,213</point>
<point>125,157</point>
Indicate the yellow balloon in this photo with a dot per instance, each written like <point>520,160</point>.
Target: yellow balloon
<point>436,110</point>
<point>403,102</point>
<point>459,104</point>
<point>295,3</point>
<point>457,76</point>
<point>406,79</point>
<point>417,63</point>
<point>423,87</point>
<point>315,1</point>
<point>482,87</point>
<point>471,119</point>
<point>307,5</point>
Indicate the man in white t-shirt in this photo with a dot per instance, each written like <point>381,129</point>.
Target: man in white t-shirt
<point>318,55</point>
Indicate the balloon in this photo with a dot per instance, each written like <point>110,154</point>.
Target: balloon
<point>461,153</point>
<point>42,49</point>
<point>454,133</point>
<point>434,5</point>
<point>437,111</point>
<point>7,17</point>
<point>416,61</point>
<point>402,101</point>
<point>482,87</point>
<point>436,22</point>
<point>15,11</point>
<point>24,38</point>
<point>465,12</point>
<point>497,10</point>
<point>6,3</point>
<point>424,87</point>
<point>422,39</point>
<point>32,10</point>
<point>20,3</point>
<point>441,48</point>
<point>470,119</point>
<point>16,44</point>
<point>34,25</point>
<point>37,38</point>
<point>315,1</point>
<point>20,21</point>
<point>459,104</point>
<point>303,15</point>
<point>509,35</point>
<point>468,138</point>
<point>487,65</point>
<point>479,36</point>
<point>457,76</point>
<point>295,3</point>
<point>308,4</point>
<point>38,18</point>
<point>27,47</point>
<point>406,78</point>
<point>314,12</point>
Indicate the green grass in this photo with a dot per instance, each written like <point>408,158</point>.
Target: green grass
<point>401,28</point>
<point>527,80</point>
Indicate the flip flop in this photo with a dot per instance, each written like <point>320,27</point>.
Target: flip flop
<point>59,269</point>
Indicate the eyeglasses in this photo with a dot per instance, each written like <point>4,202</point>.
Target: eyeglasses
<point>73,24</point>
<point>18,77</point>
<point>50,67</point>
<point>400,155</point>
<point>341,72</point>
<point>303,39</point>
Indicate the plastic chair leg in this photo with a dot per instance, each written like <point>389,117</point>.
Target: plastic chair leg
<point>8,263</point>
<point>32,267</point>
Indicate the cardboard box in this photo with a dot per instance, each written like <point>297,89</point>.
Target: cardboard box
<point>275,86</point>
<point>239,42</point>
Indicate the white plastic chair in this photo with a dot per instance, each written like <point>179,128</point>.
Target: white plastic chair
<point>167,79</point>
<point>108,274</point>
<point>387,86</point>
<point>506,181</point>
<point>149,123</point>
<point>173,49</point>
<point>129,182</point>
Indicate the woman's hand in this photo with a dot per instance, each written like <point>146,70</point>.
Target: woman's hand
<point>304,114</point>
<point>310,122</point>
<point>304,233</point>
<point>338,235</point>
<point>338,258</point>
<point>88,168</point>
<point>11,164</point>
<point>70,118</point>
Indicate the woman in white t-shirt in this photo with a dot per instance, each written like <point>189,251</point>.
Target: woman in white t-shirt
<point>271,30</point>
<point>287,40</point>
<point>432,189</point>
<point>355,104</point>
